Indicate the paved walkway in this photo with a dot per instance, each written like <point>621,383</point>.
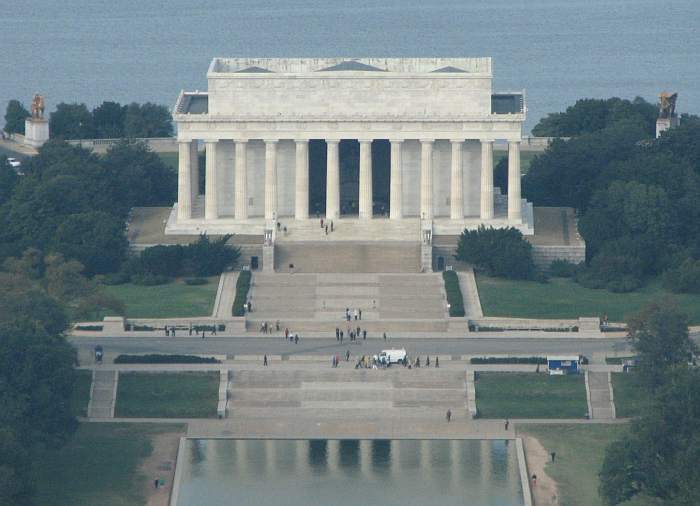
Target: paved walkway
<point>225,295</point>
<point>103,393</point>
<point>599,390</point>
<point>470,294</point>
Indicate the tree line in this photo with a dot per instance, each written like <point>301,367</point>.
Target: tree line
<point>109,120</point>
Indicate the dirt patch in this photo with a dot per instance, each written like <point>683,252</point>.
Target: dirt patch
<point>546,491</point>
<point>161,465</point>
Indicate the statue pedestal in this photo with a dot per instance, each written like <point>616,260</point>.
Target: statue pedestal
<point>663,124</point>
<point>36,132</point>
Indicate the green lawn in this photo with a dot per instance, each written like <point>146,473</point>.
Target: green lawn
<point>630,397</point>
<point>580,451</point>
<point>99,465</point>
<point>81,392</point>
<point>563,298</point>
<point>175,299</point>
<point>530,395</point>
<point>167,395</point>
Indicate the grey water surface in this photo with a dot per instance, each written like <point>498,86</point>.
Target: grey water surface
<point>147,50</point>
<point>349,472</point>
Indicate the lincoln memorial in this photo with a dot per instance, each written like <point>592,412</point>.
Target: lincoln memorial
<point>384,144</point>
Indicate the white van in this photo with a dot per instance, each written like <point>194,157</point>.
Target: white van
<point>388,357</point>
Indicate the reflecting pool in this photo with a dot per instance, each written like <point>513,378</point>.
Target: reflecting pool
<point>219,472</point>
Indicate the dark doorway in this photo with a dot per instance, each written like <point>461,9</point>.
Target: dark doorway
<point>381,170</point>
<point>317,177</point>
<point>254,263</point>
<point>440,264</point>
<point>349,157</point>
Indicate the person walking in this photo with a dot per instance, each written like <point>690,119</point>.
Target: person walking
<point>326,229</point>
<point>437,362</point>
<point>384,335</point>
<point>296,338</point>
<point>341,337</point>
<point>337,334</point>
<point>359,311</point>
<point>286,333</point>
<point>265,360</point>
<point>427,361</point>
<point>364,335</point>
<point>554,455</point>
<point>347,356</point>
<point>356,314</point>
<point>321,222</point>
<point>332,226</point>
<point>507,424</point>
<point>448,416</point>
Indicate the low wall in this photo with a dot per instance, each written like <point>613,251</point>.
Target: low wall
<point>543,255</point>
<point>157,144</point>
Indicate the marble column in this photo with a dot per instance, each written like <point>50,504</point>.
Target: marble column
<point>241,180</point>
<point>486,180</point>
<point>365,200</point>
<point>514,181</point>
<point>426,179</point>
<point>270,179</point>
<point>395,184</point>
<point>211,188</point>
<point>332,180</point>
<point>184,181</point>
<point>301,175</point>
<point>456,188</point>
<point>194,160</point>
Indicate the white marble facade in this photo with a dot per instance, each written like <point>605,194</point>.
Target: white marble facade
<point>255,122</point>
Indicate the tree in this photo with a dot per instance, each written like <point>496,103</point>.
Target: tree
<point>500,252</point>
<point>108,120</point>
<point>659,457</point>
<point>95,239</point>
<point>71,121</point>
<point>659,334</point>
<point>15,115</point>
<point>147,120</point>
<point>8,180</point>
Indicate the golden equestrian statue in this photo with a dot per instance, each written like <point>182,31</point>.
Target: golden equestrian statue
<point>667,104</point>
<point>38,107</point>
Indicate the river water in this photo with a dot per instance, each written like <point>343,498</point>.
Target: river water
<point>147,50</point>
<point>349,473</point>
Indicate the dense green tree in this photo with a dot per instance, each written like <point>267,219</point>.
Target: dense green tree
<point>8,180</point>
<point>15,115</point>
<point>659,457</point>
<point>147,120</point>
<point>659,334</point>
<point>22,300</point>
<point>591,115</point>
<point>95,239</point>
<point>500,252</point>
<point>108,120</point>
<point>71,121</point>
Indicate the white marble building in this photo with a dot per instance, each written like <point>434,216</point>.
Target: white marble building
<point>440,116</point>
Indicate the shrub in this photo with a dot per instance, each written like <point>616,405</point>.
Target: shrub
<point>201,258</point>
<point>196,281</point>
<point>242,287</point>
<point>150,279</point>
<point>118,278</point>
<point>562,269</point>
<point>500,252</point>
<point>163,260</point>
<point>454,294</point>
<point>164,359</point>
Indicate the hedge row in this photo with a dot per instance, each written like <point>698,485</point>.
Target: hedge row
<point>242,287</point>
<point>509,360</point>
<point>164,359</point>
<point>454,294</point>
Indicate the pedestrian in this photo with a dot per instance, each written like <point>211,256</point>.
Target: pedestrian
<point>277,325</point>
<point>265,360</point>
<point>250,306</point>
<point>337,334</point>
<point>213,330</point>
<point>384,335</point>
<point>347,356</point>
<point>202,333</point>
<point>364,335</point>
<point>448,415</point>
<point>279,225</point>
<point>326,229</point>
<point>358,331</point>
<point>374,304</point>
<point>172,332</point>
<point>534,480</point>
<point>156,482</point>
<point>437,362</point>
<point>341,337</point>
<point>190,330</point>
<point>332,226</point>
<point>537,369</point>
<point>507,424</point>
<point>286,333</point>
<point>296,338</point>
<point>427,361</point>
<point>554,455</point>
<point>321,222</point>
<point>167,332</point>
<point>355,314</point>
<point>285,230</point>
<point>333,361</point>
<point>360,313</point>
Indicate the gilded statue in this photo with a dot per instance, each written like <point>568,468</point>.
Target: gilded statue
<point>667,104</point>
<point>38,107</point>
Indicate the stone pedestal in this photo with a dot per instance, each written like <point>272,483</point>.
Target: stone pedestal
<point>36,132</point>
<point>663,124</point>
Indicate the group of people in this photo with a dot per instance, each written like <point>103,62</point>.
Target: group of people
<point>291,336</point>
<point>352,334</point>
<point>357,314</point>
<point>326,225</point>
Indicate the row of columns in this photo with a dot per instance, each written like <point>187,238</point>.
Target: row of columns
<point>188,176</point>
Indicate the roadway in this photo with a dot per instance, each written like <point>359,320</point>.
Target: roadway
<point>321,346</point>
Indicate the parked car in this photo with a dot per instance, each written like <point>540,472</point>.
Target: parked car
<point>388,357</point>
<point>14,163</point>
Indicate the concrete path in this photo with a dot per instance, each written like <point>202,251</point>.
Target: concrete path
<point>225,295</point>
<point>470,294</point>
<point>103,393</point>
<point>600,394</point>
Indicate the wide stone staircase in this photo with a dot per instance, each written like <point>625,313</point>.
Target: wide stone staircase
<point>396,391</point>
<point>601,405</point>
<point>102,394</point>
<point>317,302</point>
